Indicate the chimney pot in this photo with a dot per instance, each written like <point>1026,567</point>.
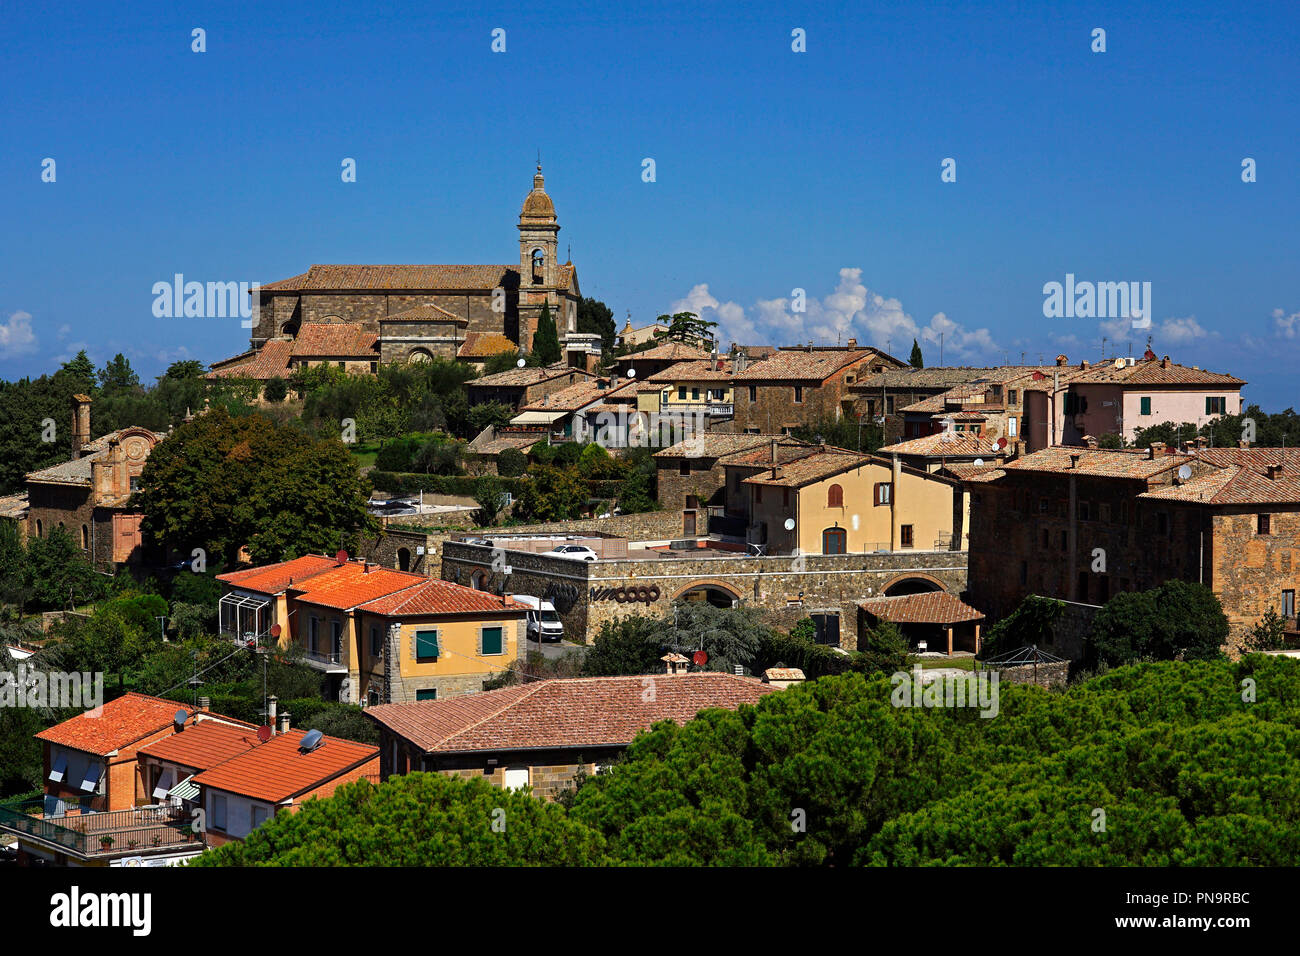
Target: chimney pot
<point>1157,448</point>
<point>1074,459</point>
<point>205,703</point>
<point>283,725</point>
<point>1164,362</point>
<point>1061,360</point>
<point>271,703</point>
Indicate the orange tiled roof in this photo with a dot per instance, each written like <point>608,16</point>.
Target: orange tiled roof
<point>787,449</point>
<point>811,468</point>
<point>569,399</point>
<point>972,472</point>
<point>676,351</point>
<point>274,578</point>
<point>485,345</point>
<point>563,713</point>
<point>270,361</point>
<point>786,365</point>
<point>121,722</point>
<point>717,444</point>
<point>350,585</point>
<point>700,371</point>
<point>523,377</point>
<point>1150,373</point>
<point>1097,462</point>
<point>426,313</point>
<point>962,444</point>
<point>1256,458</point>
<point>336,340</point>
<point>932,607</point>
<point>278,769</point>
<point>204,744</point>
<point>436,596</point>
<point>1232,485</point>
<point>433,278</point>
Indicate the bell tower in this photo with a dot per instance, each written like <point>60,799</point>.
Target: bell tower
<point>539,243</point>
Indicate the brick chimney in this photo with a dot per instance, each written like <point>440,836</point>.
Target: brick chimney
<point>1090,441</point>
<point>773,458</point>
<point>853,344</point>
<point>1074,459</point>
<point>1164,362</point>
<point>80,424</point>
<point>1061,360</point>
<point>1157,449</point>
<point>271,704</point>
<point>1275,472</point>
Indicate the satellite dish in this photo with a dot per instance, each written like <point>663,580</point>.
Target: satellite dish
<point>789,524</point>
<point>979,462</point>
<point>341,556</point>
<point>520,364</point>
<point>1001,443</point>
<point>263,733</point>
<point>311,741</point>
<point>700,658</point>
<point>1119,363</point>
<point>1185,472</point>
<point>631,373</point>
<point>275,630</point>
<point>179,718</point>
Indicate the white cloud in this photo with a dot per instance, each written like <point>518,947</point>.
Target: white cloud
<point>1287,326</point>
<point>64,331</point>
<point>1180,331</point>
<point>850,310</point>
<point>16,335</point>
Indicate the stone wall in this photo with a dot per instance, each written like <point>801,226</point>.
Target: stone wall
<point>586,594</point>
<point>1042,675</point>
<point>643,526</point>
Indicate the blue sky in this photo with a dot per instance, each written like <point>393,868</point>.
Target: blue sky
<point>775,170</point>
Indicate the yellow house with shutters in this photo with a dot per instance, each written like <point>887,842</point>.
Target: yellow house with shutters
<point>834,501</point>
<point>701,387</point>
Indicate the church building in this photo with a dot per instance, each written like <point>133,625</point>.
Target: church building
<point>411,313</point>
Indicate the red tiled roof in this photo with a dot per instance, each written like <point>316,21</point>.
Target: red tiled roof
<point>270,361</point>
<point>717,444</point>
<point>522,377</point>
<point>337,340</point>
<point>339,278</point>
<point>961,444</point>
<point>120,723</point>
<point>278,769</point>
<point>569,399</point>
<point>1232,485</point>
<point>972,472</point>
<point>811,468</point>
<point>1155,373</point>
<point>275,578</point>
<point>426,313</point>
<point>205,744</point>
<point>675,351</point>
<point>932,607</point>
<point>1256,458</point>
<point>705,371</point>
<point>436,596</point>
<point>563,713</point>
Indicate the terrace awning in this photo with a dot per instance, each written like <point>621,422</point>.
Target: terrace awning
<point>537,418</point>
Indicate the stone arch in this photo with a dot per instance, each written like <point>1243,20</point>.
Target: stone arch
<point>419,355</point>
<point>713,586</point>
<point>403,559</point>
<point>911,582</point>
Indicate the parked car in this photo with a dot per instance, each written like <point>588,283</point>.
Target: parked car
<point>484,542</point>
<point>574,552</point>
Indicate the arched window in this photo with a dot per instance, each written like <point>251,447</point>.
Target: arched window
<point>539,261</point>
<point>834,541</point>
<point>835,497</point>
<point>420,355</point>
<point>476,580</point>
<point>85,538</point>
<point>39,527</point>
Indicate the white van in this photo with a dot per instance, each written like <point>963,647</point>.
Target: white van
<point>543,622</point>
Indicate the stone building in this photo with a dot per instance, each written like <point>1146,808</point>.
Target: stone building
<point>692,474</point>
<point>466,312</point>
<point>800,386</point>
<point>1082,524</point>
<point>89,495</point>
<point>543,733</point>
<point>517,387</point>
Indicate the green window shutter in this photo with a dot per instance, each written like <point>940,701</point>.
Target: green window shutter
<point>426,644</point>
<point>430,694</point>
<point>1146,406</point>
<point>491,641</point>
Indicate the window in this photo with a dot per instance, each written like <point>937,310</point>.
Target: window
<point>374,367</point>
<point>85,538</point>
<point>430,693</point>
<point>315,626</point>
<point>426,645</point>
<point>1162,522</point>
<point>889,404</point>
<point>1103,588</point>
<point>219,810</point>
<point>684,468</point>
<point>1262,524</point>
<point>1216,406</point>
<point>376,643</point>
<point>1288,603</point>
<point>59,768</point>
<point>1084,513</point>
<point>835,497</point>
<point>1042,506</point>
<point>884,492</point>
<point>681,393</point>
<point>1083,587</point>
<point>259,816</point>
<point>785,497</point>
<point>336,642</point>
<point>1103,512</point>
<point>826,629</point>
<point>1024,572</point>
<point>515,778</point>
<point>135,483</point>
<point>695,394</point>
<point>340,364</point>
<point>905,535</point>
<point>753,393</point>
<point>834,541</point>
<point>798,393</point>
<point>1046,542</point>
<point>871,408</point>
<point>1012,397</point>
<point>1013,427</point>
<point>491,641</point>
<point>38,527</point>
<point>758,493</point>
<point>1144,405</point>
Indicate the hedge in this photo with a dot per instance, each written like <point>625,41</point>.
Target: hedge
<point>408,483</point>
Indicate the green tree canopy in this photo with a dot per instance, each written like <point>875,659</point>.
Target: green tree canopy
<point>916,360</point>
<point>546,340</point>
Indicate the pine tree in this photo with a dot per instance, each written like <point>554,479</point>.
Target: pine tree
<point>916,361</point>
<point>546,341</point>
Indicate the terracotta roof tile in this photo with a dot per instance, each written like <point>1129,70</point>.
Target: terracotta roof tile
<point>485,345</point>
<point>811,468</point>
<point>1232,485</point>
<point>270,361</point>
<point>435,596</point>
<point>569,399</point>
<point>204,744</point>
<point>335,340</point>
<point>1097,462</point>
<point>799,365</point>
<point>120,723</point>
<point>278,769</point>
<point>716,445</point>
<point>275,578</point>
<point>931,607</point>
<point>675,351</point>
<point>705,371</point>
<point>338,278</point>
<point>523,377</point>
<point>1150,373</point>
<point>351,585</point>
<point>961,444</point>
<point>563,713</point>
<point>426,313</point>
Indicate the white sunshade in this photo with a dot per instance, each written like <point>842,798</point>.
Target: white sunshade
<point>59,768</point>
<point>537,418</point>
<point>92,776</point>
<point>164,785</point>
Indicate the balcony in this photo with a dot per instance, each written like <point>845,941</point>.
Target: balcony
<point>331,661</point>
<point>90,835</point>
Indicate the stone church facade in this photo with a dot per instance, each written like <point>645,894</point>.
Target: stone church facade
<point>466,312</point>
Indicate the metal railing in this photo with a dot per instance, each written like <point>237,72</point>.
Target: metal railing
<point>90,834</point>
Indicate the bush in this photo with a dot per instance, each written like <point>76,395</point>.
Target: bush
<point>511,463</point>
<point>275,390</point>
